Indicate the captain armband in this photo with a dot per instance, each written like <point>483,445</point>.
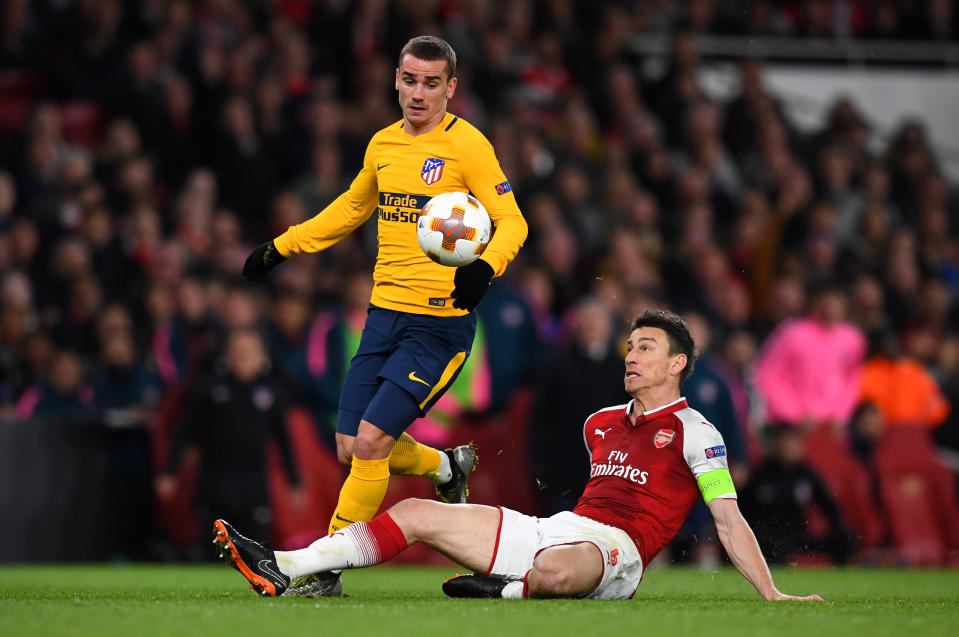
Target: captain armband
<point>715,484</point>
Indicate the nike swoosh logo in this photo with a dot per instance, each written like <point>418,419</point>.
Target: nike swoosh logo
<point>337,516</point>
<point>381,167</point>
<point>264,565</point>
<point>419,380</point>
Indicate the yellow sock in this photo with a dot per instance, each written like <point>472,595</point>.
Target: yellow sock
<point>362,493</point>
<point>410,458</point>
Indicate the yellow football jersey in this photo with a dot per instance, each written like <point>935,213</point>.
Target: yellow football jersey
<point>400,174</point>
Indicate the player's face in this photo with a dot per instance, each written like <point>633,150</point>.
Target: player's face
<point>424,89</point>
<point>648,361</point>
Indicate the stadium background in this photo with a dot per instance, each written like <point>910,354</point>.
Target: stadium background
<point>723,158</point>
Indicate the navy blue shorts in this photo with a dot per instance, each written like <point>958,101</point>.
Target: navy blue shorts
<point>419,353</point>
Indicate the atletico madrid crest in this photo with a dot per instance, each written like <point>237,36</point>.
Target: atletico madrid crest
<point>432,170</point>
<point>663,437</point>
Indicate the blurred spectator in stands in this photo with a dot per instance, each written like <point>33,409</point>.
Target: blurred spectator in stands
<point>708,393</point>
<point>62,393</point>
<point>580,378</point>
<point>515,350</point>
<point>323,183</point>
<point>865,430</point>
<point>809,369</point>
<point>232,415</point>
<point>778,499</point>
<point>308,351</point>
<point>740,132</point>
<point>940,21</point>
<point>677,90</point>
<point>126,395</point>
<point>867,306</point>
<point>244,164</point>
<point>167,347</point>
<point>737,354</point>
<point>947,436</point>
<point>835,188</point>
<point>902,277</point>
<point>534,285</point>
<point>905,393</point>
<point>106,253</point>
<point>75,326</point>
<point>910,161</point>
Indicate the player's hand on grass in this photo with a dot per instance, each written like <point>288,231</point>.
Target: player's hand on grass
<point>262,261</point>
<point>782,597</point>
<point>470,284</point>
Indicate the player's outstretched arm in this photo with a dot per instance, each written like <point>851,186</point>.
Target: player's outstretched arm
<point>743,550</point>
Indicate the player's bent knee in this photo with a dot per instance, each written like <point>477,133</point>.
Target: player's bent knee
<point>372,448</point>
<point>563,571</point>
<point>551,581</point>
<point>415,516</point>
<point>344,451</point>
<point>372,443</point>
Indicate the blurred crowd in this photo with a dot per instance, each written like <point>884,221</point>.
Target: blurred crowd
<point>146,147</point>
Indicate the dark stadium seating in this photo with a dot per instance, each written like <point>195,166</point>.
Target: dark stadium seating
<point>918,496</point>
<point>849,482</point>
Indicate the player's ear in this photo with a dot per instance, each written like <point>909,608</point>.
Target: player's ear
<point>679,363</point>
<point>451,89</point>
<point>396,82</point>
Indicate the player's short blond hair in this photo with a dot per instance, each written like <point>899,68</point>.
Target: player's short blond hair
<point>430,48</point>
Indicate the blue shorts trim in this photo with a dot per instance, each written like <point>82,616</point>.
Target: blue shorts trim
<point>420,354</point>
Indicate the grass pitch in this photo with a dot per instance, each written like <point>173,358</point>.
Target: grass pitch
<point>103,601</point>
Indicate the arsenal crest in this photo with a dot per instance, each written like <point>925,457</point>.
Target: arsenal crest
<point>663,437</point>
<point>432,170</point>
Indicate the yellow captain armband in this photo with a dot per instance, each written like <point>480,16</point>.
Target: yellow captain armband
<point>716,483</point>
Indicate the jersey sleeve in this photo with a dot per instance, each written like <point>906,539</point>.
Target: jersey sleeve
<point>486,181</point>
<point>340,218</point>
<point>705,453</point>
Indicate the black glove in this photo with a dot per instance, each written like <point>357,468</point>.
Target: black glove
<point>262,261</point>
<point>470,284</point>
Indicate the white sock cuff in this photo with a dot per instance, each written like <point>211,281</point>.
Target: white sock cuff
<point>513,590</point>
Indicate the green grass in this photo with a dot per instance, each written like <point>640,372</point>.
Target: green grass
<point>135,601</point>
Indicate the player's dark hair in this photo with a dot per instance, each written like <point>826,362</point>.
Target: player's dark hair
<point>677,335</point>
<point>430,48</point>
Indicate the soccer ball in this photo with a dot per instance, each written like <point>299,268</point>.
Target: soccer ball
<point>453,229</point>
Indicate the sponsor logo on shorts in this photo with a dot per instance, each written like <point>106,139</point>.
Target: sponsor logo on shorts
<point>418,380</point>
<point>613,557</point>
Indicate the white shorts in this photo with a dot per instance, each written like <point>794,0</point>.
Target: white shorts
<point>521,538</point>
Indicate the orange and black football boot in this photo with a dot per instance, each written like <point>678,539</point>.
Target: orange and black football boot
<point>254,561</point>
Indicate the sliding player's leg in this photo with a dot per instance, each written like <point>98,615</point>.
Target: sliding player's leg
<point>467,534</point>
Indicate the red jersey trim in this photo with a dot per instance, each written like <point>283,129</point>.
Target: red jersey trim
<point>499,529</point>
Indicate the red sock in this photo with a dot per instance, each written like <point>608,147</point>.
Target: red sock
<point>378,540</point>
